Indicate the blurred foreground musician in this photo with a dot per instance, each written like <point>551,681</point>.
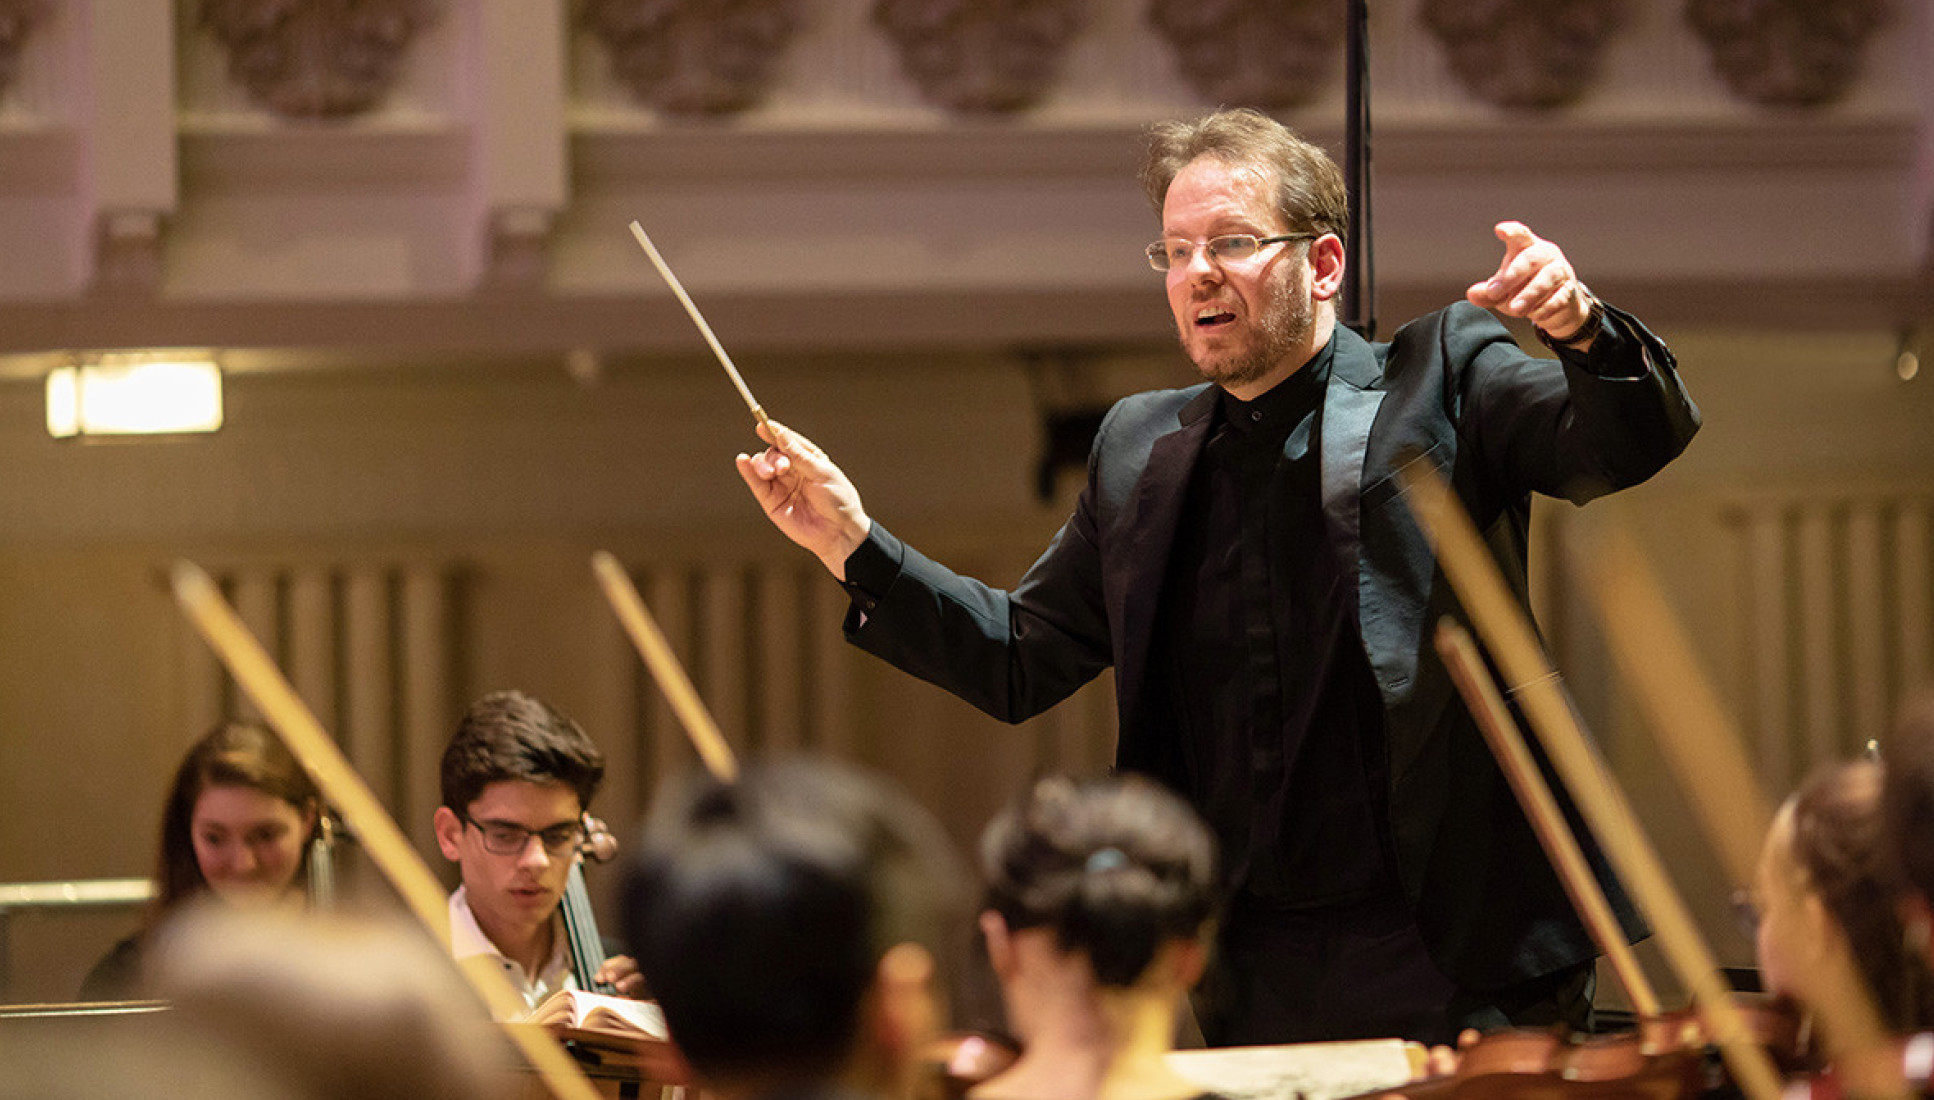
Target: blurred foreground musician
<point>271,1005</point>
<point>1826,891</point>
<point>1100,908</point>
<point>789,924</point>
<point>1907,811</point>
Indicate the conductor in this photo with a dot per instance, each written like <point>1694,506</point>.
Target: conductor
<point>1240,556</point>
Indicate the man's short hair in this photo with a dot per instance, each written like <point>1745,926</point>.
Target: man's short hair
<point>508,735</point>
<point>759,911</point>
<point>1310,194</point>
<point>1907,796</point>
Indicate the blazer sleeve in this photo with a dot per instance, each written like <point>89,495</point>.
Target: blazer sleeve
<point>1576,428</point>
<point>1013,653</point>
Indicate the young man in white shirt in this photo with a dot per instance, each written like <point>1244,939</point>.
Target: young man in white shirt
<point>517,779</point>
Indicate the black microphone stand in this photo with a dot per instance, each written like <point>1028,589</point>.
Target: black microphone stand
<point>1359,275</point>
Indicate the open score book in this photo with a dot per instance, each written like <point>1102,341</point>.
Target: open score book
<point>620,1017</point>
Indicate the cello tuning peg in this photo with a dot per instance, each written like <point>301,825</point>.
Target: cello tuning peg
<point>599,844</point>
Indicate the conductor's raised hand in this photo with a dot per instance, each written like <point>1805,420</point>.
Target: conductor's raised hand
<point>806,496</point>
<point>1535,282</point>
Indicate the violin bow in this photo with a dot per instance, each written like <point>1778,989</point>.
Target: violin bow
<point>284,710</point>
<point>650,642</point>
<point>691,310</point>
<point>1705,753</point>
<point>1528,675</point>
<point>1480,691</point>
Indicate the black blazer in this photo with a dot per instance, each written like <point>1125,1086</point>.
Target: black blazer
<point>1452,386</point>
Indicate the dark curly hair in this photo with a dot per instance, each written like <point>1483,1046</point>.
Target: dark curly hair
<point>1114,866</point>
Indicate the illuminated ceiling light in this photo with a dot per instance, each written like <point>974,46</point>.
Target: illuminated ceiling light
<point>134,395</point>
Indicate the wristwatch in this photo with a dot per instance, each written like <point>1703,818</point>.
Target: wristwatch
<point>1594,324</point>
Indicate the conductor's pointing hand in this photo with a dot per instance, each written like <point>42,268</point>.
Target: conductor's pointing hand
<point>1535,282</point>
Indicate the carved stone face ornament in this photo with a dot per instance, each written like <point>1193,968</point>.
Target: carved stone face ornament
<point>17,20</point>
<point>1268,54</point>
<point>1787,53</point>
<point>1524,53</point>
<point>991,55</point>
<point>316,58</point>
<point>694,57</point>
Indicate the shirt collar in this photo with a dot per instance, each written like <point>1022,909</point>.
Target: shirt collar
<point>1284,403</point>
<point>467,940</point>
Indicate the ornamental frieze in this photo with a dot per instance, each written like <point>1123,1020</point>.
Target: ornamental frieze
<point>17,20</point>
<point>1787,53</point>
<point>981,55</point>
<point>1524,53</point>
<point>316,58</point>
<point>1269,54</point>
<point>693,57</point>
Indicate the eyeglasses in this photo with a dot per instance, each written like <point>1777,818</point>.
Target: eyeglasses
<point>505,838</point>
<point>1230,248</point>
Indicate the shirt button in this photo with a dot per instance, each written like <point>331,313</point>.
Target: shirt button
<point>1255,416</point>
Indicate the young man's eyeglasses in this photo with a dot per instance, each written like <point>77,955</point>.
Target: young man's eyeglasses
<point>507,838</point>
<point>1173,252</point>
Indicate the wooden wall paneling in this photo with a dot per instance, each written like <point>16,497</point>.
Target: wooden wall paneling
<point>721,649</point>
<point>369,733</point>
<point>426,699</point>
<point>1869,693</point>
<point>779,653</point>
<point>312,635</point>
<point>666,594</point>
<point>254,597</point>
<point>612,718</point>
<point>201,688</point>
<point>1914,594</point>
<point>1819,636</point>
<point>833,711</point>
<point>1767,638</point>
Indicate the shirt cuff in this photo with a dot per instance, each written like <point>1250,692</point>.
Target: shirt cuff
<point>1611,354</point>
<point>872,568</point>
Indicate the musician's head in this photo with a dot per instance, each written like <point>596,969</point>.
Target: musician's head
<point>1826,892</point>
<point>1907,802</point>
<point>789,924</point>
<point>517,778</point>
<point>237,822</point>
<point>1100,884</point>
<point>327,1006</point>
<point>1247,315</point>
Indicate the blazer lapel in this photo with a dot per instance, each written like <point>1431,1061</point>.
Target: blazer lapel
<point>1349,409</point>
<point>1146,527</point>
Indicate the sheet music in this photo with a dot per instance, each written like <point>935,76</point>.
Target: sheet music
<point>1315,1071</point>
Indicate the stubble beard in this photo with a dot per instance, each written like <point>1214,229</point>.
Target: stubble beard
<point>1286,323</point>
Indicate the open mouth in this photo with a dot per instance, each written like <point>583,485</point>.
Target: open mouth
<point>1213,317</point>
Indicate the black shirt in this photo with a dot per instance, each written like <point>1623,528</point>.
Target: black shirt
<point>1282,725</point>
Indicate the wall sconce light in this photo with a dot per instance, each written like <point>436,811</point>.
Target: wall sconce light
<point>147,394</point>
